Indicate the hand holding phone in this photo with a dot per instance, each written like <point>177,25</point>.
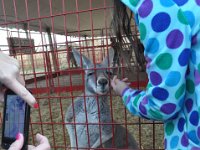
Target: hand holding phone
<point>16,119</point>
<point>42,143</point>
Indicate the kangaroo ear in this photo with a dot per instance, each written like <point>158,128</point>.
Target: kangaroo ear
<point>85,61</point>
<point>108,60</point>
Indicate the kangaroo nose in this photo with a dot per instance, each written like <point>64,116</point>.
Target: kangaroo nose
<point>103,81</point>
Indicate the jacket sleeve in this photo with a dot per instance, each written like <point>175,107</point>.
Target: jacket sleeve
<point>165,34</point>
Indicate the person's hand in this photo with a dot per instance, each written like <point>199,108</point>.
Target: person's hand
<point>10,77</point>
<point>119,85</point>
<point>43,143</point>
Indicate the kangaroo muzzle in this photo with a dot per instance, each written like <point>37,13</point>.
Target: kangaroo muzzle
<point>102,85</point>
<point>102,82</point>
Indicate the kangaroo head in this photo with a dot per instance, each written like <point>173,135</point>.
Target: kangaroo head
<point>96,79</point>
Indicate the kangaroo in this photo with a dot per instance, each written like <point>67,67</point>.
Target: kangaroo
<point>71,58</point>
<point>88,120</point>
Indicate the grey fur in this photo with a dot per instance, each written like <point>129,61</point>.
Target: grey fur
<point>84,111</point>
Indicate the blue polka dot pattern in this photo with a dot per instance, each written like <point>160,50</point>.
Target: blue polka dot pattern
<point>191,17</point>
<point>198,2</point>
<point>160,22</point>
<point>155,78</point>
<point>143,109</point>
<point>180,2</point>
<point>165,108</point>
<point>165,143</point>
<point>170,33</point>
<point>194,118</point>
<point>166,3</point>
<point>132,110</point>
<point>174,142</point>
<point>189,105</point>
<point>195,148</point>
<point>173,78</point>
<point>193,57</point>
<point>197,77</point>
<point>194,40</point>
<point>198,132</point>
<point>184,57</point>
<point>181,124</point>
<point>128,100</point>
<point>145,8</point>
<point>174,39</point>
<point>152,46</point>
<point>193,136</point>
<point>160,93</point>
<point>184,140</point>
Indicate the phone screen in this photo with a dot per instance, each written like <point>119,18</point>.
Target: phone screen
<point>15,116</point>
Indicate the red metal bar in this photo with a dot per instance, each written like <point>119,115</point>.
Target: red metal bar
<point>55,15</point>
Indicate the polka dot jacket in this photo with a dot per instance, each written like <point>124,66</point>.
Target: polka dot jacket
<point>170,32</point>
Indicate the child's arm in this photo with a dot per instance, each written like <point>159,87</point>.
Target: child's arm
<point>166,36</point>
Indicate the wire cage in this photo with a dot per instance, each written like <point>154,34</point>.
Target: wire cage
<point>40,34</point>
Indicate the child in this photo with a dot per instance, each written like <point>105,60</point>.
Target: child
<point>169,31</point>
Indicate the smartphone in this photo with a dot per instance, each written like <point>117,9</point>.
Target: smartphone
<point>16,117</point>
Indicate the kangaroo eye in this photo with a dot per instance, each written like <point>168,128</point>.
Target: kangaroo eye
<point>90,73</point>
<point>109,73</point>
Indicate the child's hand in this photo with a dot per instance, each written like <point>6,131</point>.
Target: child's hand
<point>119,85</point>
<point>43,143</point>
